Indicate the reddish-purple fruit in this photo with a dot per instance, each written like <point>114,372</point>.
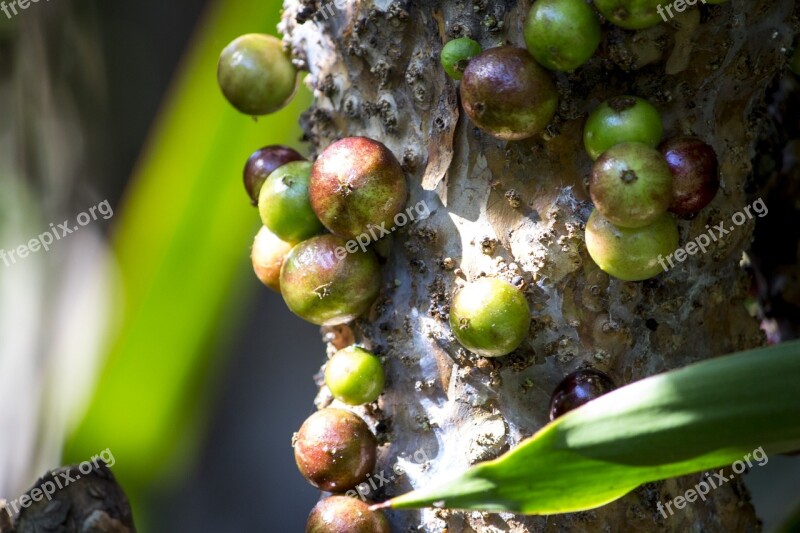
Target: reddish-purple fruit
<point>579,388</point>
<point>507,94</point>
<point>357,184</point>
<point>262,163</point>
<point>344,514</point>
<point>695,173</point>
<point>267,256</point>
<point>335,450</point>
<point>325,283</point>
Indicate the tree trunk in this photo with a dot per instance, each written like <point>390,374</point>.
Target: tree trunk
<point>517,210</point>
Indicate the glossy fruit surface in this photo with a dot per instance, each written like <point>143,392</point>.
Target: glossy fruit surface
<point>456,55</point>
<point>490,317</point>
<point>630,254</point>
<point>621,119</point>
<point>507,94</point>
<point>284,203</point>
<point>256,75</point>
<point>262,163</point>
<point>354,376</point>
<point>695,173</point>
<point>561,34</point>
<point>579,388</point>
<point>267,256</point>
<point>631,14</point>
<point>325,284</point>
<point>631,185</point>
<point>335,450</point>
<point>357,184</point>
<point>344,514</point>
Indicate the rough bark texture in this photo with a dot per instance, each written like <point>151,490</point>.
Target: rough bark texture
<point>516,210</point>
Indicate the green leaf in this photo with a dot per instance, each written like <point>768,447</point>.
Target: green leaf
<point>703,416</point>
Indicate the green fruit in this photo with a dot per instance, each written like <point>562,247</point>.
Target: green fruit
<point>256,75</point>
<point>561,34</point>
<point>327,282</point>
<point>267,256</point>
<point>357,185</point>
<point>621,119</point>
<point>335,450</point>
<point>507,94</point>
<point>490,317</point>
<point>631,185</point>
<point>456,55</point>
<point>631,14</point>
<point>631,254</point>
<point>354,376</point>
<point>284,204</point>
<point>262,163</point>
<point>345,514</point>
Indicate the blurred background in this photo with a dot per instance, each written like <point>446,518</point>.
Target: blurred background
<point>146,332</point>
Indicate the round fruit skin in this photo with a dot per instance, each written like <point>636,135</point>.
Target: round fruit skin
<point>579,388</point>
<point>621,119</point>
<point>631,185</point>
<point>326,289</point>
<point>284,203</point>
<point>356,184</point>
<point>354,376</point>
<point>695,173</point>
<point>335,450</point>
<point>630,14</point>
<point>630,254</point>
<point>561,34</point>
<point>343,514</point>
<point>262,163</point>
<point>267,257</point>
<point>456,55</point>
<point>256,75</point>
<point>490,317</point>
<point>507,94</point>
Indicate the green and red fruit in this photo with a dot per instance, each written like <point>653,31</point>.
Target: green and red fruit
<point>507,94</point>
<point>267,256</point>
<point>621,119</point>
<point>256,75</point>
<point>456,55</point>
<point>631,14</point>
<point>335,450</point>
<point>579,388</point>
<point>354,376</point>
<point>631,254</point>
<point>356,185</point>
<point>284,203</point>
<point>631,185</point>
<point>695,173</point>
<point>326,282</point>
<point>344,514</point>
<point>490,317</point>
<point>561,34</point>
<point>264,162</point>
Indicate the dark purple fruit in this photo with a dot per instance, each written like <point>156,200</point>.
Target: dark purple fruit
<point>695,173</point>
<point>335,450</point>
<point>343,514</point>
<point>507,94</point>
<point>262,163</point>
<point>579,388</point>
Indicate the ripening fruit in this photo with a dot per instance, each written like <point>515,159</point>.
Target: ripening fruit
<point>695,173</point>
<point>579,388</point>
<point>357,184</point>
<point>256,75</point>
<point>343,514</point>
<point>631,185</point>
<point>621,119</point>
<point>284,204</point>
<point>354,376</point>
<point>456,55</point>
<point>631,14</point>
<point>267,256</point>
<point>630,254</point>
<point>262,163</point>
<point>507,94</point>
<point>490,317</point>
<point>325,284</point>
<point>561,34</point>
<point>335,450</point>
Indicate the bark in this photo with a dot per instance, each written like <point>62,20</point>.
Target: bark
<point>517,210</point>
